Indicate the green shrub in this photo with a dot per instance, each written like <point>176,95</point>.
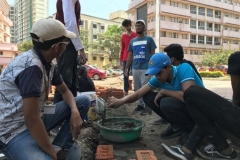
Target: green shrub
<point>211,74</point>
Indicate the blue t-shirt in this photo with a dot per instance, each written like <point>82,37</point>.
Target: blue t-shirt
<point>141,49</point>
<point>182,73</point>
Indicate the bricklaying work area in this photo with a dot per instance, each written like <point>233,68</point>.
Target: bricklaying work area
<point>150,140</point>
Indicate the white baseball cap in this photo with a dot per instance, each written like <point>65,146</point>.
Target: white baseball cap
<point>140,20</point>
<point>48,28</point>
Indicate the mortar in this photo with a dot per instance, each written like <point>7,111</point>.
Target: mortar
<point>121,129</point>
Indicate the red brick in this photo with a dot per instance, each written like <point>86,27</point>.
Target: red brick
<point>104,152</point>
<point>145,155</point>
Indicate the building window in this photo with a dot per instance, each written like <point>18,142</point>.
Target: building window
<point>102,27</point>
<point>94,36</point>
<point>94,25</point>
<point>101,58</point>
<point>193,52</point>
<point>163,34</point>
<point>225,28</point>
<point>217,14</point>
<point>94,58</point>
<point>201,39</point>
<point>209,26</point>
<point>193,24</point>
<point>185,51</point>
<point>201,25</point>
<point>162,18</point>
<point>184,36</point>
<point>217,27</point>
<point>184,21</point>
<point>1,53</point>
<point>185,6</point>
<point>173,19</point>
<point>162,1</point>
<point>216,41</point>
<point>226,15</point>
<point>209,12</point>
<point>201,11</point>
<point>225,41</point>
<point>173,35</point>
<point>235,29</point>
<point>209,40</point>
<point>193,38</point>
<point>193,9</point>
<point>175,4</point>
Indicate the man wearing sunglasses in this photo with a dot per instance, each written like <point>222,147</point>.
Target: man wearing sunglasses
<point>168,103</point>
<point>25,114</point>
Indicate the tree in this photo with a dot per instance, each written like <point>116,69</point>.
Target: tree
<point>25,46</point>
<point>84,37</point>
<point>109,42</point>
<point>214,58</point>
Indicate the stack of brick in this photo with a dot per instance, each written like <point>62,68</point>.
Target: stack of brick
<point>105,92</point>
<point>130,84</point>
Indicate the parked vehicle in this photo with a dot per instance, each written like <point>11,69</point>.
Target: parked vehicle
<point>112,72</point>
<point>94,72</point>
<point>223,68</point>
<point>119,71</point>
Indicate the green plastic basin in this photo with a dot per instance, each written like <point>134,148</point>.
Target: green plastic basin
<point>121,135</point>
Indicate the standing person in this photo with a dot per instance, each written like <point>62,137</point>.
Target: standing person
<point>125,40</point>
<point>24,85</point>
<point>68,12</point>
<point>140,51</point>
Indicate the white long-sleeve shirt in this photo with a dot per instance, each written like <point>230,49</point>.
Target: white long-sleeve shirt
<point>70,22</point>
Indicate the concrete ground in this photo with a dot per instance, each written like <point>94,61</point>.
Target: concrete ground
<point>150,138</point>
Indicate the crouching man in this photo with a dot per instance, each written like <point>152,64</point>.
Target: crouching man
<point>24,110</point>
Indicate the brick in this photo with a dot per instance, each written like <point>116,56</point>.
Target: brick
<point>145,155</point>
<point>104,152</point>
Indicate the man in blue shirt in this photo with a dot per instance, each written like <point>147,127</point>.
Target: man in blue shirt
<point>168,103</point>
<point>140,51</point>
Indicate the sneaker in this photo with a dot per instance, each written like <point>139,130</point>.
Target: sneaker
<point>138,108</point>
<point>160,121</point>
<point>170,132</point>
<point>176,152</point>
<point>209,152</point>
<point>144,111</point>
<point>61,155</point>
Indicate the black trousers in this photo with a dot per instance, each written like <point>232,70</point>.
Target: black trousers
<point>209,111</point>
<point>67,67</point>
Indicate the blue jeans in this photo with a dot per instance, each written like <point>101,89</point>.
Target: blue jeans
<point>126,79</point>
<point>24,147</point>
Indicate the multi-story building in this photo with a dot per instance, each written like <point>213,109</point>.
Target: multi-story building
<point>7,50</point>
<point>27,12</point>
<point>12,28</point>
<point>199,26</point>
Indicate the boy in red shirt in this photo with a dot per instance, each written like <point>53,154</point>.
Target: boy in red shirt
<point>126,38</point>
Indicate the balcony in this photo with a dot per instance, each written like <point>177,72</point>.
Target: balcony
<point>151,25</point>
<point>217,4</point>
<point>193,58</point>
<point>175,26</point>
<point>5,60</point>
<point>231,20</point>
<point>134,3</point>
<point>205,32</point>
<point>165,41</point>
<point>233,34</point>
<point>231,46</point>
<point>205,18</point>
<point>204,46</point>
<point>151,9</point>
<point>174,10</point>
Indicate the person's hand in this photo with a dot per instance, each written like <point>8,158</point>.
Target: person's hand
<point>126,72</point>
<point>159,95</point>
<point>53,155</point>
<point>83,57</point>
<point>75,123</point>
<point>113,102</point>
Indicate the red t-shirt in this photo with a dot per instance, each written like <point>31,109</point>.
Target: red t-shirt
<point>125,40</point>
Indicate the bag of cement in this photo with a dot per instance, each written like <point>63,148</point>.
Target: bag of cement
<point>100,105</point>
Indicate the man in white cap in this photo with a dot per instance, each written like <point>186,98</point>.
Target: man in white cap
<point>140,50</point>
<point>25,114</point>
